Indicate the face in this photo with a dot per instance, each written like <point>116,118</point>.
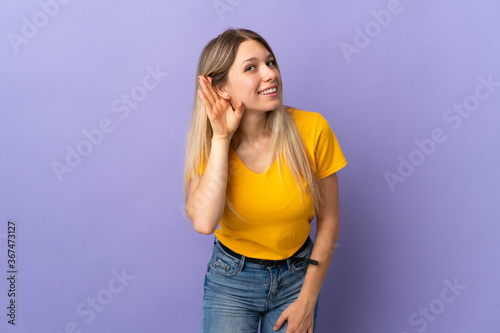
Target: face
<point>250,77</point>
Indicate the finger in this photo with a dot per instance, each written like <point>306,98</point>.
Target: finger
<point>240,109</point>
<point>205,101</point>
<point>208,90</point>
<point>281,320</point>
<point>209,79</point>
<point>211,88</point>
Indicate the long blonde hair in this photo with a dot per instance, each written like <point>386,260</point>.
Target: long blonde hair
<point>286,142</point>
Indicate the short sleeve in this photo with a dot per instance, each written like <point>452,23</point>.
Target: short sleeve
<point>327,153</point>
<point>201,168</point>
<point>201,163</point>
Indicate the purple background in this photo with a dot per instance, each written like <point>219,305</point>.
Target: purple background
<point>120,209</point>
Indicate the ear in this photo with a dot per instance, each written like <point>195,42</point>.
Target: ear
<point>222,92</point>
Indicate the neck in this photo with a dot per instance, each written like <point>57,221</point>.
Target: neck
<point>252,125</point>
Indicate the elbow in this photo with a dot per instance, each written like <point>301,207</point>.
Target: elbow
<point>203,228</point>
<point>201,224</point>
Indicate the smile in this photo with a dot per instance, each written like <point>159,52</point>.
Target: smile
<point>268,91</point>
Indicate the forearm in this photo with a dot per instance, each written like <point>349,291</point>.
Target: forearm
<point>323,250</point>
<point>206,202</point>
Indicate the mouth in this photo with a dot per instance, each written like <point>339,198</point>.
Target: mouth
<point>269,91</point>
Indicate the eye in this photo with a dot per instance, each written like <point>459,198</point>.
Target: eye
<point>272,62</point>
<point>246,69</point>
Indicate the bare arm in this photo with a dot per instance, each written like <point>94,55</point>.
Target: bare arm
<point>328,227</point>
<point>300,314</point>
<point>208,196</point>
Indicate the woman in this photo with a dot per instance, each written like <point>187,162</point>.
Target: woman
<point>259,171</point>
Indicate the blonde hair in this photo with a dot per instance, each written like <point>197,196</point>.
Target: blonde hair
<point>286,142</point>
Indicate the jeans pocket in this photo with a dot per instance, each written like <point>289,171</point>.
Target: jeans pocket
<point>223,265</point>
<point>299,265</point>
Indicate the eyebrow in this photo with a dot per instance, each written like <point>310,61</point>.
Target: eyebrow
<point>269,55</point>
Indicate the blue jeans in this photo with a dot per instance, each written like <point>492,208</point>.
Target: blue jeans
<point>237,295</point>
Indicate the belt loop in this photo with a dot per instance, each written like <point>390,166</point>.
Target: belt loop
<point>242,263</point>
<point>289,264</point>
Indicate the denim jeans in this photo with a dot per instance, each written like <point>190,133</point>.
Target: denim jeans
<point>237,295</point>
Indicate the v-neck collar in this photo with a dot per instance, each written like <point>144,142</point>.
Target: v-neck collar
<point>269,170</point>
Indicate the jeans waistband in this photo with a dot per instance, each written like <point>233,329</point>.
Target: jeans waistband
<point>272,263</point>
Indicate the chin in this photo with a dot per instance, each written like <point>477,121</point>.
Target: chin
<point>262,107</point>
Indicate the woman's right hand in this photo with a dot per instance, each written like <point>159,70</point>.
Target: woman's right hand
<point>223,119</point>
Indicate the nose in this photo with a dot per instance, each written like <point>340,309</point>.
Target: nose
<point>268,74</point>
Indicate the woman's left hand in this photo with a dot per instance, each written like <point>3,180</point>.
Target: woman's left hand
<point>300,318</point>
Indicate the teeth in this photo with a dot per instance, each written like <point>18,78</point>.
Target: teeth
<point>268,91</point>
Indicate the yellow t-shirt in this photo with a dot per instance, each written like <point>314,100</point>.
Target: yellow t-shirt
<point>277,221</point>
